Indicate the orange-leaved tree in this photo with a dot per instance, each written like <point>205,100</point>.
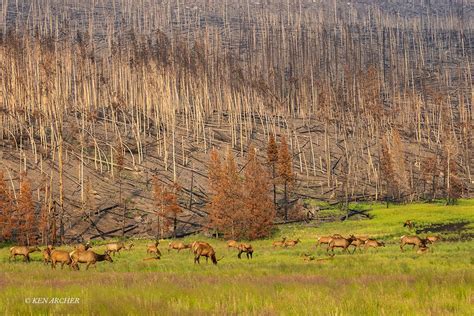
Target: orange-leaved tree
<point>258,205</point>
<point>26,213</point>
<point>226,205</point>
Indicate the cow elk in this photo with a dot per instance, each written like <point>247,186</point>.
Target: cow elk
<point>372,243</point>
<point>153,248</point>
<point>247,248</point>
<point>340,243</point>
<point>413,240</point>
<point>433,239</point>
<point>326,239</point>
<point>204,250</point>
<point>178,246</point>
<point>232,244</point>
<point>47,254</point>
<point>279,243</point>
<point>291,243</point>
<point>114,247</point>
<point>357,243</point>
<point>22,251</point>
<point>89,257</point>
<point>82,247</point>
<point>409,224</point>
<point>60,256</point>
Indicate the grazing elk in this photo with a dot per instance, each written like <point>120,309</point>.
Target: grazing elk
<point>114,247</point>
<point>232,244</point>
<point>247,248</point>
<point>372,243</point>
<point>204,250</point>
<point>279,243</point>
<point>291,243</point>
<point>413,240</point>
<point>326,239</point>
<point>178,246</point>
<point>60,256</point>
<point>89,257</point>
<point>196,243</point>
<point>22,251</point>
<point>340,242</point>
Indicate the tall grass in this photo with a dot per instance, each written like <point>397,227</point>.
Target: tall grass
<point>276,281</point>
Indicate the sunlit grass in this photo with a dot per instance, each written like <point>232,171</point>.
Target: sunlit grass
<point>276,281</point>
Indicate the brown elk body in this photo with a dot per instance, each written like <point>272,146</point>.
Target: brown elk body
<point>178,246</point>
<point>47,254</point>
<point>89,257</point>
<point>153,249</point>
<point>279,243</point>
<point>232,244</point>
<point>433,239</point>
<point>22,251</point>
<point>327,239</point>
<point>340,243</point>
<point>291,243</point>
<point>60,256</point>
<point>114,247</point>
<point>357,243</point>
<point>372,243</point>
<point>413,240</point>
<point>247,248</point>
<point>82,247</point>
<point>204,250</point>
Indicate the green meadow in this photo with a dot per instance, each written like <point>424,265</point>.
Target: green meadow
<point>277,280</point>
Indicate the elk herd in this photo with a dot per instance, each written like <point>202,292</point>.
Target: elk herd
<point>82,253</point>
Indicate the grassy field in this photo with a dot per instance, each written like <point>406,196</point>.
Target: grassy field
<point>384,282</point>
